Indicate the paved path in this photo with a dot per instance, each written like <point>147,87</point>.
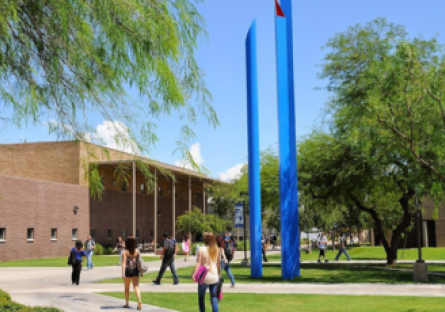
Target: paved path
<point>52,287</point>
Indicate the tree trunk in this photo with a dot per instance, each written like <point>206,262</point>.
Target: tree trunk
<point>391,255</point>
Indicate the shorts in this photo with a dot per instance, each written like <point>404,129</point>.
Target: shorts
<point>131,272</point>
<point>322,252</point>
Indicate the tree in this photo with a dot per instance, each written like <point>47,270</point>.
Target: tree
<point>64,61</point>
<point>390,88</point>
<point>195,222</point>
<point>381,184</point>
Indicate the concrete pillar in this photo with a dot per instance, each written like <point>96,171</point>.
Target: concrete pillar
<point>190,200</point>
<point>173,208</point>
<point>134,198</point>
<point>425,233</point>
<point>371,236</point>
<point>420,272</point>
<point>155,210</point>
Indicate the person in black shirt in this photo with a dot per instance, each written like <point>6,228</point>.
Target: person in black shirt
<point>168,260</point>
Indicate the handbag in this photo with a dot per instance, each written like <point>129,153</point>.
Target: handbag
<point>200,276</point>
<point>142,266</point>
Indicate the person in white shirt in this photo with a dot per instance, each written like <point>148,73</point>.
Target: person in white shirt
<point>322,244</point>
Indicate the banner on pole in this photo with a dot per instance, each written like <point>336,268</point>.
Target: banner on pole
<point>239,215</point>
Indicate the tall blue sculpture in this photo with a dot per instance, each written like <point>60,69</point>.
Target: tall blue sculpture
<point>287,154</point>
<point>254,154</point>
<point>286,5</point>
<point>290,242</point>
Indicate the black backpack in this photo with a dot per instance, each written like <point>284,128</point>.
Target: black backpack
<point>72,260</point>
<point>170,248</point>
<point>228,253</point>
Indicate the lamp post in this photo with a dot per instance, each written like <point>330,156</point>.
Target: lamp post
<point>245,261</point>
<point>418,225</point>
<point>420,267</point>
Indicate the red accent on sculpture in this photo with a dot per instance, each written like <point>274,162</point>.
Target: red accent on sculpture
<point>279,10</point>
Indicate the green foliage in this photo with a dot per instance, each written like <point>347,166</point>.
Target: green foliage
<point>6,305</point>
<point>69,60</point>
<point>99,250</point>
<point>196,222</point>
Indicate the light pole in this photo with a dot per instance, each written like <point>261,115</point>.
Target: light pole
<point>420,267</point>
<point>245,261</point>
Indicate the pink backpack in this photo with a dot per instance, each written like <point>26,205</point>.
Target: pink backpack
<point>200,276</point>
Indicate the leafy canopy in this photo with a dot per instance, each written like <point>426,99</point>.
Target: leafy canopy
<point>70,61</point>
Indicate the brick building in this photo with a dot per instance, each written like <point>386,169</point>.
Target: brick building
<point>45,200</point>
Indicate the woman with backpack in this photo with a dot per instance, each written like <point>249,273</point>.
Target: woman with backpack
<point>226,257</point>
<point>209,257</point>
<point>76,261</point>
<point>130,270</point>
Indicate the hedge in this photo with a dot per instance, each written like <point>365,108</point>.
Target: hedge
<point>6,305</point>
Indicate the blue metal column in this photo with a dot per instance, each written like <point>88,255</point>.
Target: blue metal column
<point>287,144</point>
<point>295,251</point>
<point>254,154</point>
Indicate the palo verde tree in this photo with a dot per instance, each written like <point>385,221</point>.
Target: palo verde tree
<point>377,181</point>
<point>389,88</point>
<point>63,62</point>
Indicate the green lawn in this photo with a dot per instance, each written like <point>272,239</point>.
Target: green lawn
<point>99,261</point>
<point>435,268</point>
<point>188,302</point>
<point>372,253</point>
<point>311,273</point>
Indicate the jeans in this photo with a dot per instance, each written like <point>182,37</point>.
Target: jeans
<point>202,294</point>
<point>75,275</point>
<point>226,267</point>
<point>340,252</point>
<point>89,262</point>
<point>120,256</point>
<point>168,263</point>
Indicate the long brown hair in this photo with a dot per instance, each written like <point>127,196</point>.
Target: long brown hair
<point>210,241</point>
<point>130,245</point>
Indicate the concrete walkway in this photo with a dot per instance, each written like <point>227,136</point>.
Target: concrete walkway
<point>52,287</point>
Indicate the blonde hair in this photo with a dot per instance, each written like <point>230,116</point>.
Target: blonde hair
<point>210,242</point>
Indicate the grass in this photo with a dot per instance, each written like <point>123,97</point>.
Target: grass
<point>372,253</point>
<point>99,261</point>
<point>6,304</point>
<point>187,302</point>
<point>434,268</point>
<point>311,273</point>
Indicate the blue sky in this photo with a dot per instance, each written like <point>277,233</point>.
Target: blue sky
<point>222,58</point>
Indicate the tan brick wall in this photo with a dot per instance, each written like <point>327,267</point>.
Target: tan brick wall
<point>428,207</point>
<point>41,205</point>
<point>50,161</point>
<point>440,233</point>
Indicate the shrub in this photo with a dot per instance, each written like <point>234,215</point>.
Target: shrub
<point>6,305</point>
<point>110,250</point>
<point>99,250</point>
<point>241,245</point>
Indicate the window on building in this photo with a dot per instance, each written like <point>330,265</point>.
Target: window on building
<point>124,186</point>
<point>2,234</point>
<point>53,234</point>
<point>74,234</point>
<point>176,194</point>
<point>30,234</point>
<point>110,233</point>
<point>151,232</point>
<point>160,192</point>
<point>137,233</point>
<point>143,189</point>
<point>93,233</point>
<point>124,233</point>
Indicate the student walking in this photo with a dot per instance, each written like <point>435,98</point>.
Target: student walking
<point>168,260</point>
<point>76,261</point>
<point>226,257</point>
<point>263,248</point>
<point>186,247</point>
<point>209,256</point>
<point>322,244</point>
<point>130,271</point>
<point>342,247</point>
<point>120,246</point>
<point>90,245</point>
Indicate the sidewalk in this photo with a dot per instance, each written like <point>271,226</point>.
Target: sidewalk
<point>52,287</point>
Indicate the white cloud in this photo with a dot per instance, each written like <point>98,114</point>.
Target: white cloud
<point>195,152</point>
<point>231,173</point>
<point>115,135</point>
